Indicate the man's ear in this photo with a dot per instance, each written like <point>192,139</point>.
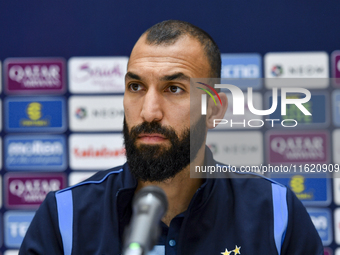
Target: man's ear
<point>217,111</point>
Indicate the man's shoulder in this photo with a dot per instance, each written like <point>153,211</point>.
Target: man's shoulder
<point>117,177</point>
<point>254,179</point>
<point>244,179</point>
<point>101,176</point>
<point>250,180</point>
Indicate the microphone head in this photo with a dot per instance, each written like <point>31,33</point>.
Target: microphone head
<point>149,205</point>
<point>155,191</point>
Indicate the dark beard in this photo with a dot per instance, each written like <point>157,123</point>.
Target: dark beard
<point>155,163</point>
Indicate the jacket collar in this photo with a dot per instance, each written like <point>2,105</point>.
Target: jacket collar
<point>129,185</point>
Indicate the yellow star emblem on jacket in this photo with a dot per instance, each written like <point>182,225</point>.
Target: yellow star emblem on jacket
<point>226,252</point>
<point>235,251</point>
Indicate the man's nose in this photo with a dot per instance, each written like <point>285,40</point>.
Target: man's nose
<point>152,106</point>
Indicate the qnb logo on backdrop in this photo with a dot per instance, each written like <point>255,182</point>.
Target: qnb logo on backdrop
<point>238,105</point>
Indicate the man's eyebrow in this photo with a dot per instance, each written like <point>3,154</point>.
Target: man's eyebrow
<point>176,76</point>
<point>133,76</point>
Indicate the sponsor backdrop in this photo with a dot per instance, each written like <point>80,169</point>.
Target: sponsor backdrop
<point>60,131</point>
<point>62,114</point>
<point>252,140</point>
<point>62,121</point>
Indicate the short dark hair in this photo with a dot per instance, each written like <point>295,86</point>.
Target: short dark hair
<point>169,31</point>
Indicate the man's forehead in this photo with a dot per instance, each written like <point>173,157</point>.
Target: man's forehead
<point>185,56</point>
<point>170,77</point>
<point>143,44</point>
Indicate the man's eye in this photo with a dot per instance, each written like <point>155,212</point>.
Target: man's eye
<point>175,89</point>
<point>135,87</point>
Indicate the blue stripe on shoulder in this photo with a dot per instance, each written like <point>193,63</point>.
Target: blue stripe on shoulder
<point>280,211</point>
<point>258,175</point>
<point>65,212</point>
<point>65,219</point>
<point>89,182</point>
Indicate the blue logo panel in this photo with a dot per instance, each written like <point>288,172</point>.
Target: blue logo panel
<point>16,225</point>
<point>336,108</point>
<point>35,152</point>
<point>35,114</point>
<point>243,70</point>
<point>312,191</point>
<point>317,106</point>
<point>322,221</point>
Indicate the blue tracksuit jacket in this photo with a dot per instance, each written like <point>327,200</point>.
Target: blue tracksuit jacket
<point>247,216</point>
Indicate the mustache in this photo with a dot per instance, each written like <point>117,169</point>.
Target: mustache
<point>151,128</point>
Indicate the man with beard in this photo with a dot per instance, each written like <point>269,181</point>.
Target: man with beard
<point>204,216</point>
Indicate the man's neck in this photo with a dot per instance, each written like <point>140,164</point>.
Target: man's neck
<point>179,190</point>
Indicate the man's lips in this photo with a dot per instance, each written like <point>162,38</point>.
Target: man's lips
<point>151,138</point>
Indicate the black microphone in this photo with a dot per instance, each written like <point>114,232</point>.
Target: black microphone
<point>149,205</point>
